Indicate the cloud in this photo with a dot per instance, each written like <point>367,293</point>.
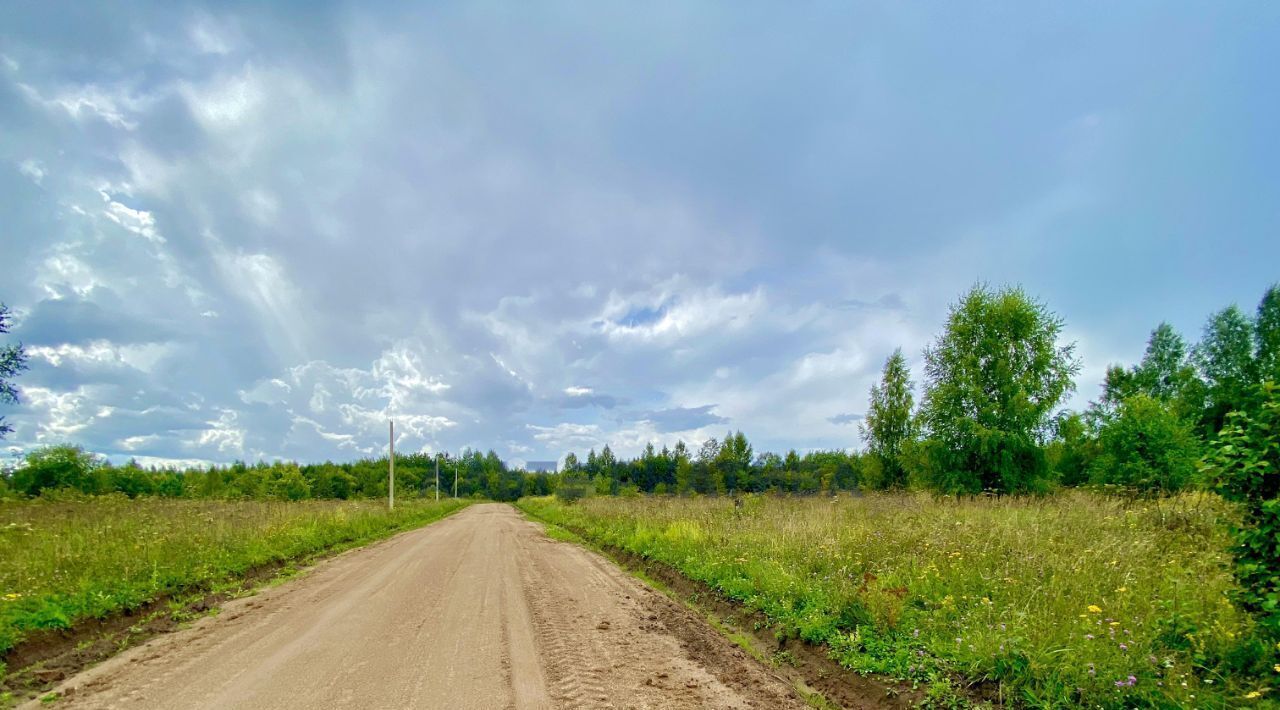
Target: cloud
<point>241,232</point>
<point>683,418</point>
<point>846,418</point>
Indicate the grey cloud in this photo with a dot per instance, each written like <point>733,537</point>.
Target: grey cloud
<point>889,301</point>
<point>375,202</point>
<point>846,418</point>
<point>683,418</point>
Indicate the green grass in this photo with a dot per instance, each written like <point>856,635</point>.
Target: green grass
<point>64,562</point>
<point>1045,602</point>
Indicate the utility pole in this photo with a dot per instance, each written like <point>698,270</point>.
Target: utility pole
<point>391,472</point>
<point>455,478</point>
<point>437,478</point>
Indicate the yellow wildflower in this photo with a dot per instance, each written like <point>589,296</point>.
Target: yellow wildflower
<point>1252,695</point>
<point>1095,609</point>
<point>1122,590</point>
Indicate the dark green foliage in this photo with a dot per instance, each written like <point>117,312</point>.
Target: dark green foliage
<point>1225,359</point>
<point>574,485</point>
<point>1146,448</point>
<point>992,380</point>
<point>13,360</point>
<point>1245,467</point>
<point>72,468</point>
<point>889,422</point>
<point>1166,374</point>
<point>1072,449</point>
<point>1267,325</point>
<point>53,467</point>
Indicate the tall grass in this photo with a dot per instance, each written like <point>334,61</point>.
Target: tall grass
<point>1067,601</point>
<point>65,561</point>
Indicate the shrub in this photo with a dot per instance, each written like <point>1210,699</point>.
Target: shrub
<point>1245,465</point>
<point>1072,450</point>
<point>61,466</point>
<point>1145,448</point>
<point>574,486</point>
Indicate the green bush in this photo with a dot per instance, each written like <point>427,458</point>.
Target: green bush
<point>573,487</point>
<point>61,466</point>
<point>1245,465</point>
<point>1145,448</point>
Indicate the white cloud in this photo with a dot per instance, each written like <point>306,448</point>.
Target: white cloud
<point>63,413</point>
<point>141,356</point>
<point>64,270</point>
<point>226,101</point>
<point>111,105</point>
<point>566,434</point>
<point>209,36</point>
<point>223,434</point>
<point>133,443</point>
<point>680,314</point>
<point>32,169</point>
<point>577,391</point>
<point>140,222</point>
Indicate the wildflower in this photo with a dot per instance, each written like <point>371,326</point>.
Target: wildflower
<point>1092,670</point>
<point>1124,647</point>
<point>1095,609</point>
<point>1278,664</point>
<point>1089,636</point>
<point>1252,695</point>
<point>1122,590</point>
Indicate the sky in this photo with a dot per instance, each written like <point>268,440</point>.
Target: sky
<point>256,231</point>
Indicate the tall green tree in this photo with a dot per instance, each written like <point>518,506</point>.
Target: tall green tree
<point>1225,359</point>
<point>993,378</point>
<point>1165,374</point>
<point>889,422</point>
<point>1267,326</point>
<point>733,461</point>
<point>13,360</point>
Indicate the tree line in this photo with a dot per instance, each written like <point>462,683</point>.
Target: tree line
<point>471,474</point>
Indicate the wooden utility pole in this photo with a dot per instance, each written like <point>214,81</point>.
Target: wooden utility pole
<point>391,472</point>
<point>455,478</point>
<point>437,478</point>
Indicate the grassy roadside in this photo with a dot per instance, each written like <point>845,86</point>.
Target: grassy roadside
<point>1063,602</point>
<point>70,563</point>
<point>746,630</point>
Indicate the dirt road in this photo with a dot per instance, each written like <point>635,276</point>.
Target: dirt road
<point>480,610</point>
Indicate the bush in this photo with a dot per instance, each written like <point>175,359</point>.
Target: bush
<point>574,486</point>
<point>1245,465</point>
<point>1072,450</point>
<point>61,466</point>
<point>1145,448</point>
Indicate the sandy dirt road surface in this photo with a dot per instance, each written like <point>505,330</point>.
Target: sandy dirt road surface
<point>480,610</point>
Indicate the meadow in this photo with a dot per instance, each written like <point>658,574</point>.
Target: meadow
<point>1068,600</point>
<point>63,562</point>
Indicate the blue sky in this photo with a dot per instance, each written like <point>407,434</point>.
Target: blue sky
<point>236,231</point>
